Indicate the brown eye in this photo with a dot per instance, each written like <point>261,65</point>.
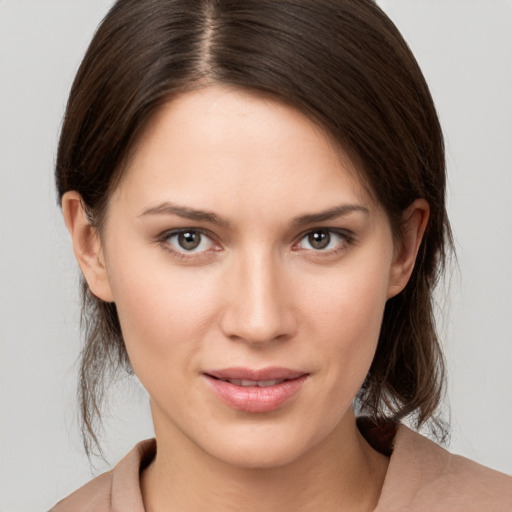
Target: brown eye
<point>319,239</point>
<point>189,240</point>
<point>325,240</point>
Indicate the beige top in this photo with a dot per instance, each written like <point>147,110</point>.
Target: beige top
<point>421,477</point>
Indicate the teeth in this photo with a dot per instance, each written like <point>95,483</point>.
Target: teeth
<point>260,383</point>
<point>265,383</point>
<point>244,383</point>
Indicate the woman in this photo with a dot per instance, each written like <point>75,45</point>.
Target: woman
<point>255,194</point>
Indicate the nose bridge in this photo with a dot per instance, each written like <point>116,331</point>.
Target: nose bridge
<point>257,311</point>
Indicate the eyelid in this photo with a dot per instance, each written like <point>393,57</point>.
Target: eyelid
<point>163,240</point>
<point>348,236</point>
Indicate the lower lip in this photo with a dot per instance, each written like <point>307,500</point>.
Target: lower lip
<point>255,398</point>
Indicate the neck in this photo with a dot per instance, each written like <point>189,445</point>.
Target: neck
<point>341,473</point>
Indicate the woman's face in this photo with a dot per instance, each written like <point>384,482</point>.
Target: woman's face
<point>250,270</point>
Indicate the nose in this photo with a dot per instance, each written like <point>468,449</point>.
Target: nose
<point>258,309</point>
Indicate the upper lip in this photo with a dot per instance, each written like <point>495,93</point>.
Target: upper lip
<point>263,374</point>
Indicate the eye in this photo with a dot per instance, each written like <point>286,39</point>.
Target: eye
<point>326,240</point>
<point>188,241</point>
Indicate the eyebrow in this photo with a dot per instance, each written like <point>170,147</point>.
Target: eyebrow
<point>167,208</point>
<point>331,213</point>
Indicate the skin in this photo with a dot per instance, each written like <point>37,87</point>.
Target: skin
<point>255,293</point>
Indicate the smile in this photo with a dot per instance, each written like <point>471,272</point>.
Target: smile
<point>255,391</point>
<point>249,383</point>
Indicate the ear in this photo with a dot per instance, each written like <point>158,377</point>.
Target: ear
<point>414,223</point>
<point>86,246</point>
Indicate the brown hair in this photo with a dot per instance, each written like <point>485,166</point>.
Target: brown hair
<point>341,62</point>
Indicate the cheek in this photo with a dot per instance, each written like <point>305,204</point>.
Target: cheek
<point>164,311</point>
<point>344,318</point>
<point>350,303</point>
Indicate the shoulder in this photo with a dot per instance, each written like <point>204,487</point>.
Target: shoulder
<point>117,490</point>
<point>93,496</point>
<point>424,476</point>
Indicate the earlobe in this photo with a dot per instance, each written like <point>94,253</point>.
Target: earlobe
<point>414,224</point>
<point>86,246</point>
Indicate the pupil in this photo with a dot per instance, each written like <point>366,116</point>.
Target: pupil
<point>189,240</point>
<point>319,239</point>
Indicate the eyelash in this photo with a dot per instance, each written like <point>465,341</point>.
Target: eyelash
<point>164,241</point>
<point>347,238</point>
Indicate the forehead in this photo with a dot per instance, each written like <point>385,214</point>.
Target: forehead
<point>227,148</point>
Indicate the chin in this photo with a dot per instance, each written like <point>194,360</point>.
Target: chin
<point>263,447</point>
<point>256,456</point>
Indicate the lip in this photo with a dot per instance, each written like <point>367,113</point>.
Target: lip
<point>256,399</point>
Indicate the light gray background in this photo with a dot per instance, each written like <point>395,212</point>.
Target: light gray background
<point>465,50</point>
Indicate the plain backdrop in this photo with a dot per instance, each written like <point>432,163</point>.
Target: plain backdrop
<point>465,50</point>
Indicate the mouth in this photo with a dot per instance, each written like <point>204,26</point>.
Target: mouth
<point>251,383</point>
<point>256,391</point>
